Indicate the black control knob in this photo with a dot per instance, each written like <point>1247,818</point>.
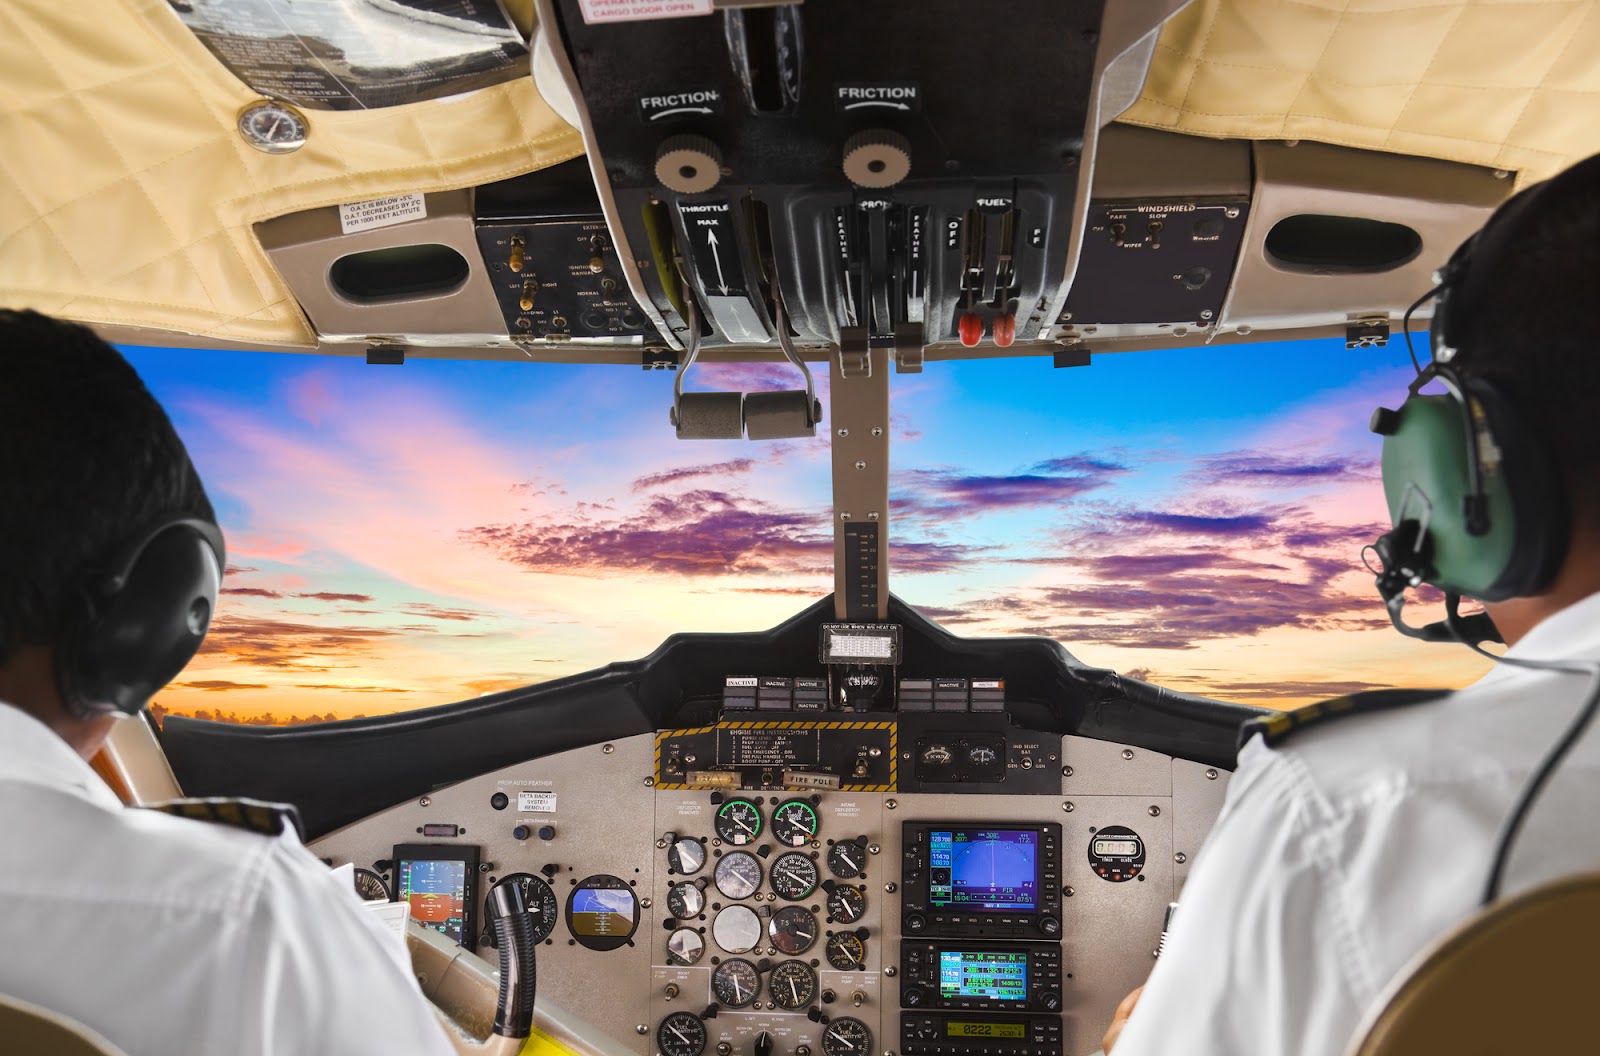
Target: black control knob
<point>689,164</point>
<point>521,832</point>
<point>911,997</point>
<point>915,922</point>
<point>1050,1001</point>
<point>547,833</point>
<point>1050,926</point>
<point>763,1044</point>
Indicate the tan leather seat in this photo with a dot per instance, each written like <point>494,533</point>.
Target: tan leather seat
<point>1517,977</point>
<point>29,1030</point>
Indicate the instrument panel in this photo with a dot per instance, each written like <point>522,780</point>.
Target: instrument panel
<point>796,921</point>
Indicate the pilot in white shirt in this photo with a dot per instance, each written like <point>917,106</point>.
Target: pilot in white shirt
<point>1349,847</point>
<point>164,935</point>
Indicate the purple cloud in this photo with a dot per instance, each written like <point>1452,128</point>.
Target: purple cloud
<point>1258,467</point>
<point>714,469</point>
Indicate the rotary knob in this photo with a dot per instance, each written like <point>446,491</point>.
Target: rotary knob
<point>688,164</point>
<point>877,158</point>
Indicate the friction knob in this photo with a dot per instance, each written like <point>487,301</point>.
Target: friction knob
<point>877,158</point>
<point>689,164</point>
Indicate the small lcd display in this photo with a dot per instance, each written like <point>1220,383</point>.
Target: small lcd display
<point>984,870</point>
<point>954,1029</point>
<point>437,892</point>
<point>995,976</point>
<point>1117,848</point>
<point>598,912</point>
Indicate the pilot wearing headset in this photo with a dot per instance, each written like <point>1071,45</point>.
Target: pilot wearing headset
<point>163,934</point>
<point>1347,847</point>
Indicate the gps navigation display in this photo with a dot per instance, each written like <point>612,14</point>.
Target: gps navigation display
<point>437,892</point>
<point>997,976</point>
<point>984,870</point>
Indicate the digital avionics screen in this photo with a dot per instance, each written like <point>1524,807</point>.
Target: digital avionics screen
<point>956,1029</point>
<point>437,892</point>
<point>984,870</point>
<point>996,976</point>
<point>599,911</point>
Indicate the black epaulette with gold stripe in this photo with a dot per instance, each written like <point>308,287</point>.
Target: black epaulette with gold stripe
<point>1279,725</point>
<point>269,819</point>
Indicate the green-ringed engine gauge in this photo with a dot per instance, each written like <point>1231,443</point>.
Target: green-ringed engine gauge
<point>792,985</point>
<point>794,876</point>
<point>735,983</point>
<point>738,822</point>
<point>794,823</point>
<point>846,1037</point>
<point>847,951</point>
<point>273,128</point>
<point>681,1034</point>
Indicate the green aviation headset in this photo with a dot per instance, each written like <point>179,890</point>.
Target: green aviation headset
<point>1476,505</point>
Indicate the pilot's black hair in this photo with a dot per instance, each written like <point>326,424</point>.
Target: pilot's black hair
<point>1529,327</point>
<point>87,459</point>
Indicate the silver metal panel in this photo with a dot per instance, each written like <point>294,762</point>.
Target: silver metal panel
<point>1106,768</point>
<point>1197,794</point>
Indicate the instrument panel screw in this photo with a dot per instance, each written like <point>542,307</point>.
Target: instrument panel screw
<point>844,432</point>
<point>1066,771</point>
<point>889,971</point>
<point>877,430</point>
<point>890,804</point>
<point>872,516</point>
<point>1068,807</point>
<point>1207,314</point>
<point>425,801</point>
<point>640,1028</point>
<point>1068,892</point>
<point>644,903</point>
<point>607,749</point>
<point>661,845</point>
<point>844,516</point>
<point>889,887</point>
<point>873,848</point>
<point>861,465</point>
<point>874,751</point>
<point>649,782</point>
<point>1180,857</point>
<point>1127,753</point>
<point>1155,811</point>
<point>1211,775</point>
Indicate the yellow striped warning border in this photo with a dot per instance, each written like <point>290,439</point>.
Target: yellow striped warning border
<point>894,748</point>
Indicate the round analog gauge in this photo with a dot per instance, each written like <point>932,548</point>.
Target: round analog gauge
<point>846,951</point>
<point>686,900</point>
<point>541,903</point>
<point>370,886</point>
<point>792,985</point>
<point>981,754</point>
<point>273,128</point>
<point>847,860</point>
<point>846,1037</point>
<point>792,930</point>
<point>681,1034</point>
<point>734,983</point>
<point>794,876</point>
<point>686,857</point>
<point>738,821</point>
<point>846,904</point>
<point>738,875</point>
<point>737,929</point>
<point>794,823</point>
<point>685,946</point>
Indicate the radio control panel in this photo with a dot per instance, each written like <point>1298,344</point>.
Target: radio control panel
<point>985,977</point>
<point>941,1034</point>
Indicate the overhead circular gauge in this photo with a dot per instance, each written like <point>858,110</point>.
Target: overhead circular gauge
<point>793,929</point>
<point>794,823</point>
<point>273,128</point>
<point>737,929</point>
<point>686,856</point>
<point>685,946</point>
<point>735,983</point>
<point>794,876</point>
<point>681,1034</point>
<point>686,900</point>
<point>738,821</point>
<point>370,886</point>
<point>846,951</point>
<point>541,903</point>
<point>847,859</point>
<point>846,1037</point>
<point>792,985</point>
<point>1116,854</point>
<point>738,875</point>
<point>846,904</point>
<point>602,912</point>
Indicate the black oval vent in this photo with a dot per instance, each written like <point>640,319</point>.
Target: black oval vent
<point>398,273</point>
<point>1340,245</point>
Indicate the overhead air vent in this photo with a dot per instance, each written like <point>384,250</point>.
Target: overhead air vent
<point>397,273</point>
<point>1317,244</point>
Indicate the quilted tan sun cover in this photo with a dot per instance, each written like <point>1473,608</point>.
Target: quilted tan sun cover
<point>1506,84</point>
<point>127,195</point>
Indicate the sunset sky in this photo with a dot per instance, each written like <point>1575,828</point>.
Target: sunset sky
<point>400,537</point>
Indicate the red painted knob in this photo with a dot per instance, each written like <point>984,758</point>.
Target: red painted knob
<point>1005,330</point>
<point>970,327</point>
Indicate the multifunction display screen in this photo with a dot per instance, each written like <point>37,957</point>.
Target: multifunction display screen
<point>437,893</point>
<point>984,870</point>
<point>996,976</point>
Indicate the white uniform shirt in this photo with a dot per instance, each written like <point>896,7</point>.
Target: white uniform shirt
<point>171,936</point>
<point>1340,855</point>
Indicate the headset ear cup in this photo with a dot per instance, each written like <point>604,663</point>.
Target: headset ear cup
<point>131,633</point>
<point>1538,496</point>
